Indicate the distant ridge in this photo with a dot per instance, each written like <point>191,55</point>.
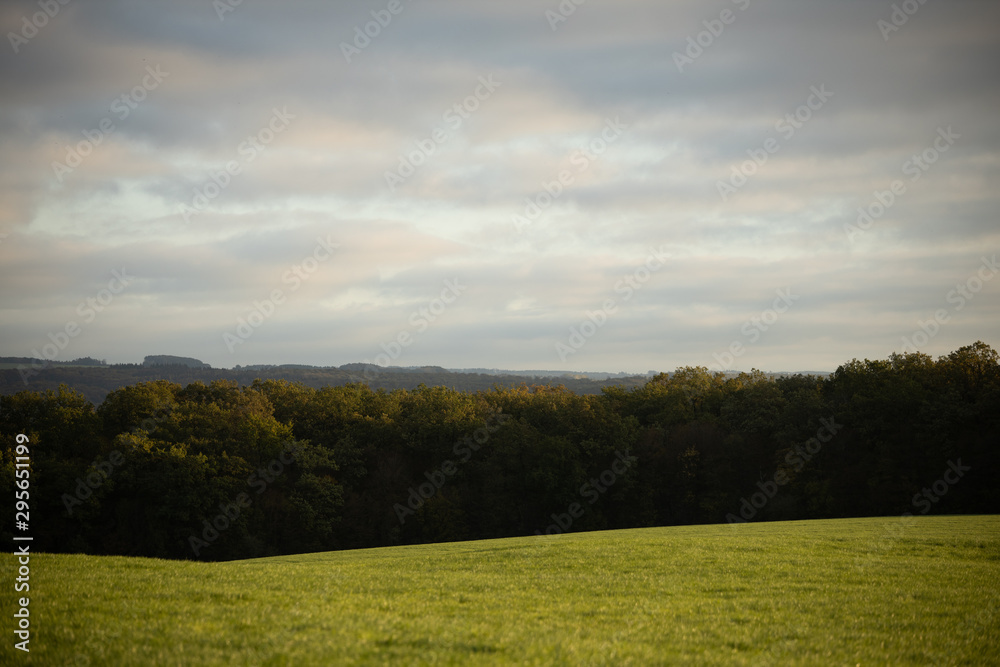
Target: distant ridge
<point>358,367</point>
<point>603,375</point>
<point>96,381</point>
<point>170,360</point>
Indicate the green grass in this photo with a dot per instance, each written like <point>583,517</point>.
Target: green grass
<point>843,592</point>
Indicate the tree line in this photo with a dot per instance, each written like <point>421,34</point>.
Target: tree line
<point>222,471</point>
<point>95,382</point>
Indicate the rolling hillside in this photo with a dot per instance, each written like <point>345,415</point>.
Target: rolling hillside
<point>836,592</point>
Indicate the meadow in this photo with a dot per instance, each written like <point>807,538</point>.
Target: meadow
<point>828,592</point>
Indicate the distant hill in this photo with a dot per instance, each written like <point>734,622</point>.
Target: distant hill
<point>170,360</point>
<point>592,375</point>
<point>38,363</point>
<point>95,382</point>
<point>95,379</point>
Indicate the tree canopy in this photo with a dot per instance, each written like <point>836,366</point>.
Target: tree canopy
<point>220,470</point>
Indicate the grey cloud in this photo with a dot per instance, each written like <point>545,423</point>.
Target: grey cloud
<point>656,186</point>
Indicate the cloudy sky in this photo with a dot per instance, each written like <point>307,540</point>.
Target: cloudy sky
<point>625,185</point>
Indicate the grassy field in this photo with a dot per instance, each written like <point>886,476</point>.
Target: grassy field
<point>843,592</point>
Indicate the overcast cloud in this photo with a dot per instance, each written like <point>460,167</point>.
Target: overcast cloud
<point>215,153</point>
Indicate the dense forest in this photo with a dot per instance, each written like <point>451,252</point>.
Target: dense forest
<point>223,471</point>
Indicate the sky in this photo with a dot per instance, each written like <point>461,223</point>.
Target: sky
<point>579,185</point>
